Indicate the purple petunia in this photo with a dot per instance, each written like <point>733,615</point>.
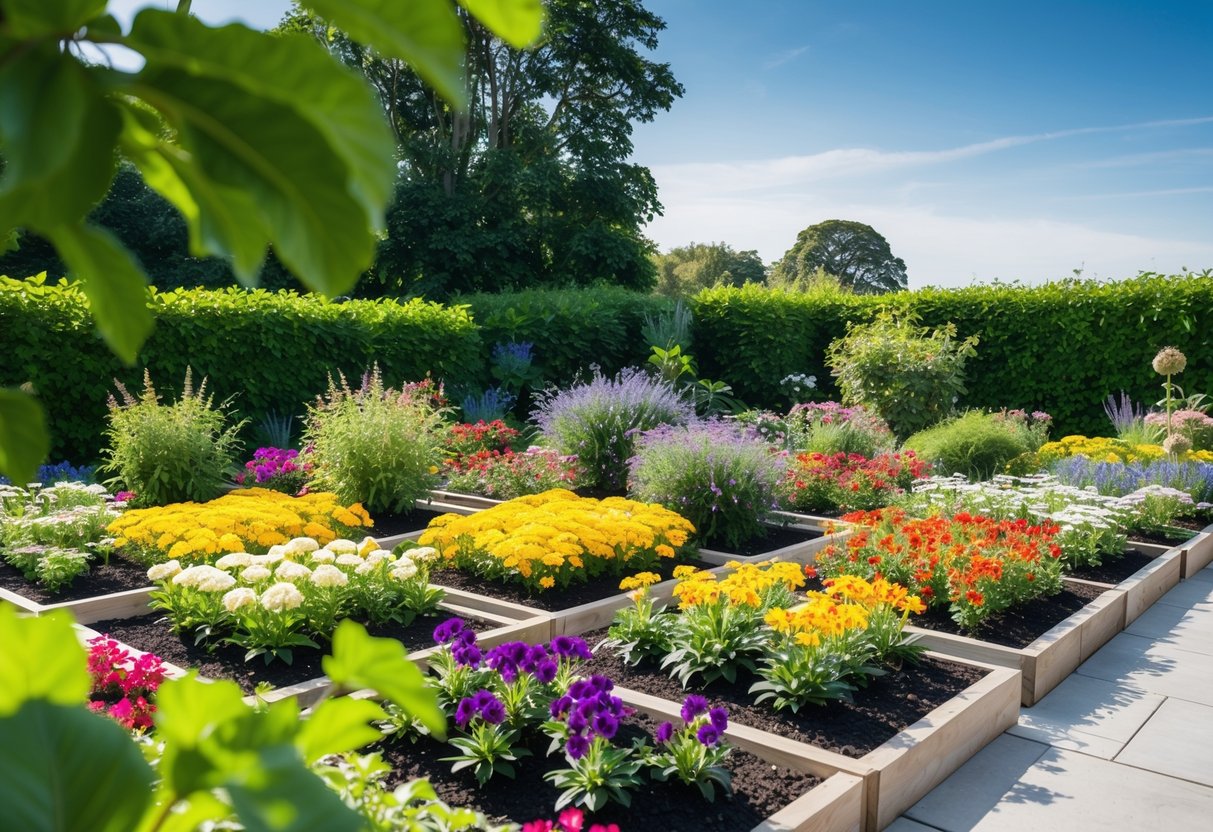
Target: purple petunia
<point>708,734</point>
<point>664,731</point>
<point>577,746</point>
<point>483,704</point>
<point>571,647</point>
<point>693,706</point>
<point>719,718</point>
<point>449,630</point>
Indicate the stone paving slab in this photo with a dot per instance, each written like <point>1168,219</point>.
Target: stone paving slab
<point>906,825</point>
<point>1175,741</point>
<point>1193,591</point>
<point>1142,664</point>
<point>1186,627</point>
<point>1015,784</point>
<point>1094,716</point>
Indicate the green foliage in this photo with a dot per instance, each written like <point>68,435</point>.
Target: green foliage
<point>374,444</point>
<point>853,252</point>
<point>170,453</point>
<point>267,352</point>
<point>24,440</point>
<point>1061,347</point>
<point>684,270</point>
<point>912,378</point>
<point>978,445</point>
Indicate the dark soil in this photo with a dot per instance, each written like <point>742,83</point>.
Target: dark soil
<point>1018,626</point>
<point>101,579</point>
<point>759,789</point>
<point>1190,529</point>
<point>1114,571</point>
<point>152,634</point>
<point>387,525</point>
<point>774,537</point>
<point>553,600</point>
<point>889,704</point>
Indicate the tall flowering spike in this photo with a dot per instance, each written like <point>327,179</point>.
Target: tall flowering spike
<point>1169,361</point>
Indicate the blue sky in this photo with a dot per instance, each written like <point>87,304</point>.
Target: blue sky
<point>985,140</point>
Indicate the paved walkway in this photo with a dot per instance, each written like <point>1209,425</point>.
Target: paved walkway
<point>1125,743</point>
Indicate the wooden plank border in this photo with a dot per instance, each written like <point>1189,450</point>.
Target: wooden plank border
<point>1199,552</point>
<point>1148,584</point>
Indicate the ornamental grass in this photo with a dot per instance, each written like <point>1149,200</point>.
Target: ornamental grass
<point>973,566</point>
<point>245,520</point>
<point>556,538</point>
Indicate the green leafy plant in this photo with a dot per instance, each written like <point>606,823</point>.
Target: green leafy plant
<point>910,375</point>
<point>170,453</point>
<point>694,753</point>
<point>376,445</point>
<point>640,632</point>
<point>978,445</point>
<point>53,534</point>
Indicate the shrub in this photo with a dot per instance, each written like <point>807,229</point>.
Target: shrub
<point>245,520</point>
<point>911,376</point>
<point>463,439</point>
<point>596,421</point>
<point>374,444</point>
<point>830,428</point>
<point>720,476</point>
<point>975,444</point>
<point>278,469</point>
<point>848,482</point>
<point>506,475</point>
<point>555,538</point>
<point>169,453</point>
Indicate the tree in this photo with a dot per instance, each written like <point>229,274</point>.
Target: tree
<point>257,139</point>
<point>532,183</point>
<point>684,270</point>
<point>853,252</point>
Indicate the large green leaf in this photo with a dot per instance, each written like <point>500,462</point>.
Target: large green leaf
<point>63,769</point>
<point>425,33</point>
<point>277,119</point>
<point>40,658</point>
<point>287,797</point>
<point>38,18</point>
<point>517,22</point>
<point>360,660</point>
<point>112,280</point>
<point>24,441</point>
<point>60,158</point>
<point>338,725</point>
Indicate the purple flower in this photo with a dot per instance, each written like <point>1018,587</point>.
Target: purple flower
<point>464,711</point>
<point>708,734</point>
<point>570,647</point>
<point>483,697</point>
<point>448,630</point>
<point>466,655</point>
<point>560,707</point>
<point>605,725</point>
<point>719,718</point>
<point>580,688</point>
<point>664,731</point>
<point>493,712</point>
<point>577,746</point>
<point>577,720</point>
<point>545,671</point>
<point>693,706</point>
<point>601,683</point>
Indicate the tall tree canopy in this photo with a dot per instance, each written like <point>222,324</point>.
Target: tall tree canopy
<point>532,183</point>
<point>855,253</point>
<point>684,270</point>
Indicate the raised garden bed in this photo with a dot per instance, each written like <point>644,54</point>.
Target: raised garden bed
<point>903,735</point>
<point>1198,552</point>
<point>1159,569</point>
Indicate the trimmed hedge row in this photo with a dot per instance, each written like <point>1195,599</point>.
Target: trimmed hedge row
<point>266,351</point>
<point>1061,347</point>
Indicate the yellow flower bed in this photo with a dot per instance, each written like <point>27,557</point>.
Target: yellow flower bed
<point>744,585</point>
<point>549,539</point>
<point>1105,449</point>
<point>246,520</point>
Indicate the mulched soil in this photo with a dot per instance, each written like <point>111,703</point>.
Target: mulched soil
<point>387,525</point>
<point>1114,571</point>
<point>101,579</point>
<point>604,586</point>
<point>760,789</point>
<point>1191,528</point>
<point>151,634</point>
<point>775,537</point>
<point>889,704</point>
<point>1018,626</point>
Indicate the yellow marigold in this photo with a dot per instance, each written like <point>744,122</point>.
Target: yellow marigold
<point>684,571</point>
<point>640,580</point>
<point>547,582</point>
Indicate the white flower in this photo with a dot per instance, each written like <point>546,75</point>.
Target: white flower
<point>349,560</point>
<point>368,544</point>
<point>282,596</point>
<point>255,574</point>
<point>164,571</point>
<point>423,554</point>
<point>239,597</point>
<point>288,570</point>
<point>205,578</point>
<point>364,568</point>
<point>235,560</point>
<point>341,546</point>
<point>277,550</point>
<point>328,575</point>
<point>323,556</point>
<point>403,570</point>
<point>301,545</point>
<point>378,556</point>
<point>269,558</point>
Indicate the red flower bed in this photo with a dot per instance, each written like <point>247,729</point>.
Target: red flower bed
<point>849,482</point>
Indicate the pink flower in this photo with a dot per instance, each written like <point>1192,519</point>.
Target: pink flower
<point>571,819</point>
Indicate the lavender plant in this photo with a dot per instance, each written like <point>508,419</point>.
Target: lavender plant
<point>597,421</point>
<point>494,403</point>
<point>1129,421</point>
<point>721,476</point>
<point>1120,479</point>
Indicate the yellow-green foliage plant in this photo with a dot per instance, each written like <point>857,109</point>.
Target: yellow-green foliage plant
<point>556,538</point>
<point>245,520</point>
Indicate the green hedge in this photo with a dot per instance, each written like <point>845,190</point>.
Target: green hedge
<point>267,351</point>
<point>1061,347</point>
<point>569,328</point>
